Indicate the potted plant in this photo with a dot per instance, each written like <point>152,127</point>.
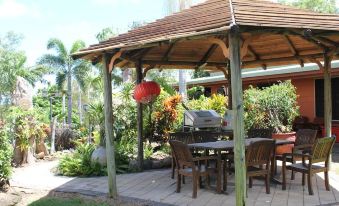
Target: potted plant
<point>272,107</point>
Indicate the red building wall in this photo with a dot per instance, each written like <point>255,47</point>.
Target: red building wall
<point>306,97</point>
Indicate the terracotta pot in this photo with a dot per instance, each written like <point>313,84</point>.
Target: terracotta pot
<point>284,148</point>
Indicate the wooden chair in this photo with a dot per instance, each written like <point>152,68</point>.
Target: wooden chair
<point>319,153</point>
<point>304,141</point>
<point>185,137</point>
<point>260,153</point>
<point>189,166</point>
<point>262,133</point>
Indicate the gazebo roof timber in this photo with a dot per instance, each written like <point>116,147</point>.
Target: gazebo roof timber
<point>272,35</point>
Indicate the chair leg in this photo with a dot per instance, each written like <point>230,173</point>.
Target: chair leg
<point>327,184</point>
<point>225,176</point>
<point>178,182</point>
<point>303,179</point>
<point>173,168</point>
<point>292,174</point>
<point>309,182</point>
<point>195,185</point>
<point>267,183</point>
<point>208,182</point>
<point>200,182</point>
<point>250,182</point>
<point>183,180</point>
<point>284,175</point>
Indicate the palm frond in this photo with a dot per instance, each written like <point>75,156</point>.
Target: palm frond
<point>58,46</point>
<point>77,45</point>
<point>60,79</point>
<point>80,72</point>
<point>53,61</point>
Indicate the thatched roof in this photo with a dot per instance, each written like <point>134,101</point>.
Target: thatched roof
<point>278,35</point>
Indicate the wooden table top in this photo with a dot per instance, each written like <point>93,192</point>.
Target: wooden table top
<point>227,145</point>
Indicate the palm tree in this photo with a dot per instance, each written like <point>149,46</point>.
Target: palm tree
<point>66,68</point>
<point>12,66</point>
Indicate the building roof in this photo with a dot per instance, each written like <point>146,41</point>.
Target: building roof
<point>287,71</point>
<point>263,21</point>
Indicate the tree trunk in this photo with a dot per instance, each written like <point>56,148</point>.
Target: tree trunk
<point>80,106</point>
<point>53,136</point>
<point>63,110</point>
<point>182,84</point>
<point>69,96</point>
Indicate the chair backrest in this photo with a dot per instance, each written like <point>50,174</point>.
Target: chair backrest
<point>322,149</point>
<point>185,137</point>
<point>263,133</point>
<point>205,136</point>
<point>305,136</point>
<point>260,152</point>
<point>182,154</point>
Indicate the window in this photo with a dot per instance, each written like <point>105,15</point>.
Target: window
<point>319,98</point>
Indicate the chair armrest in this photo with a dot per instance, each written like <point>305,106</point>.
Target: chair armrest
<point>302,147</point>
<point>302,155</point>
<point>204,158</point>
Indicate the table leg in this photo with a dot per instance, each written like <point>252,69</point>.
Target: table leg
<point>219,172</point>
<point>273,169</point>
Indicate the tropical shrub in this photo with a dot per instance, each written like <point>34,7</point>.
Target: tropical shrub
<point>195,92</point>
<point>271,107</point>
<point>79,163</point>
<point>26,130</point>
<point>216,102</point>
<point>165,118</point>
<point>6,152</point>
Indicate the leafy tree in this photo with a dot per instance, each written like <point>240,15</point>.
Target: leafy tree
<point>198,73</point>
<point>66,68</point>
<point>12,65</point>
<point>322,6</point>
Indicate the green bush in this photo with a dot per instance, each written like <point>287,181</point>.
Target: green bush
<point>6,152</point>
<point>79,163</point>
<point>271,107</point>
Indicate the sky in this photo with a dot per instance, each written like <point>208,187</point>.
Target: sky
<point>70,20</point>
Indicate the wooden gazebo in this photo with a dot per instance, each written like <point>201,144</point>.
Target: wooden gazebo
<point>224,35</point>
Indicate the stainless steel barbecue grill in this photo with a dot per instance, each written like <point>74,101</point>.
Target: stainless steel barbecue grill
<point>202,119</point>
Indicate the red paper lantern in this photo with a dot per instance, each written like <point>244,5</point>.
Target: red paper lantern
<point>146,92</point>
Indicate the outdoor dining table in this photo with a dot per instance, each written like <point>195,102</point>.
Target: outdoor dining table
<point>220,146</point>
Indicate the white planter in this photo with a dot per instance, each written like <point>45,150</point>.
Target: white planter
<point>99,155</point>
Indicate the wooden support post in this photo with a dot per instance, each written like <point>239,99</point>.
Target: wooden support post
<point>111,170</point>
<point>140,157</point>
<point>229,86</point>
<point>327,95</point>
<point>238,112</point>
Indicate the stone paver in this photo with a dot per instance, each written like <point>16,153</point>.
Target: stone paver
<point>158,188</point>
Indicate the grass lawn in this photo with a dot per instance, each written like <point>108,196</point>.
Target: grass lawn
<point>53,201</point>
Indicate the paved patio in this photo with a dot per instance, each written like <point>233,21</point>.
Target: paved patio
<point>159,189</point>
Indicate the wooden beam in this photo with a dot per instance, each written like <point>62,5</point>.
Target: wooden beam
<point>168,52</point>
<point>122,63</point>
<point>208,54</point>
<point>325,41</point>
<point>244,47</point>
<point>327,96</point>
<point>274,60</point>
<point>221,44</point>
<point>244,63</point>
<point>140,156</point>
<point>112,61</point>
<point>292,48</point>
<point>146,70</point>
<point>111,169</point>
<point>238,115</point>
<point>316,61</point>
